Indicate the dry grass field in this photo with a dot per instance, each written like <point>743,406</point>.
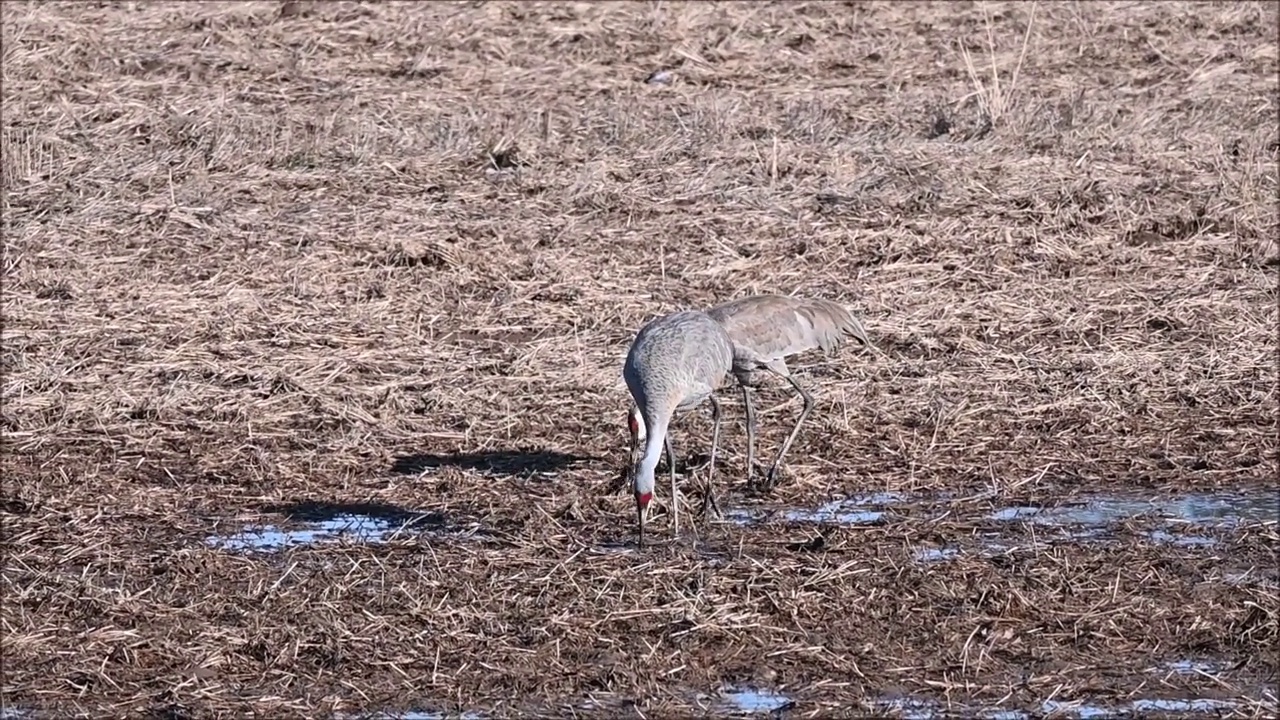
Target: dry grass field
<point>269,264</point>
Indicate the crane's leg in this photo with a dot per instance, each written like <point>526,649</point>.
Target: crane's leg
<point>671,468</point>
<point>751,432</point>
<point>709,493</point>
<point>671,455</point>
<point>772,479</point>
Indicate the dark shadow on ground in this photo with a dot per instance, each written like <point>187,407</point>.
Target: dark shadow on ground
<point>496,462</point>
<point>318,511</point>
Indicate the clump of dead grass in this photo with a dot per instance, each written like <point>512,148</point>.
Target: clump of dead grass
<point>995,101</point>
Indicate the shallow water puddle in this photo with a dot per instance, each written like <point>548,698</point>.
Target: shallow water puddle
<point>419,715</point>
<point>753,701</point>
<point>318,527</point>
<point>993,545</point>
<point>425,715</point>
<point>1195,667</point>
<point>917,709</point>
<point>1087,520</point>
<point>1198,508</point>
<point>938,554</point>
<point>1169,538</point>
<point>856,510</point>
<point>1096,511</point>
<point>907,708</point>
<point>360,528</point>
<point>1085,711</point>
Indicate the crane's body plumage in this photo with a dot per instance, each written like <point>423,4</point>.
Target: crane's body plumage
<point>675,363</point>
<point>767,329</point>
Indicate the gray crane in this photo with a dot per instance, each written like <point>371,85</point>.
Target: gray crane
<point>675,363</point>
<point>765,330</point>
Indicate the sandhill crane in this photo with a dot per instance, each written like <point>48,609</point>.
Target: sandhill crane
<point>675,363</point>
<point>766,329</point>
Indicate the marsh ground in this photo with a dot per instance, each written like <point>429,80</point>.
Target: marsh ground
<point>274,262</point>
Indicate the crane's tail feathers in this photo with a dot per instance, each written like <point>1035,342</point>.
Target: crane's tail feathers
<point>832,321</point>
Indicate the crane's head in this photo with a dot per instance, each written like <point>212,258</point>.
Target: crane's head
<point>642,511</point>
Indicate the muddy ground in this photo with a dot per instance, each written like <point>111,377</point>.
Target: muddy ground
<point>376,266</point>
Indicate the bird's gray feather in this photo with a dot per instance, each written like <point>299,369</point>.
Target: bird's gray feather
<point>768,328</point>
<point>676,361</point>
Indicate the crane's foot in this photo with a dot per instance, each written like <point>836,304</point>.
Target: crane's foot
<point>772,478</point>
<point>757,476</point>
<point>709,504</point>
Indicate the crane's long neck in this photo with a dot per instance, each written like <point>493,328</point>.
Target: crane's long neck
<point>655,434</point>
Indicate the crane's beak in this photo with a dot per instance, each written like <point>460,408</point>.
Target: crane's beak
<point>642,509</point>
<point>640,532</point>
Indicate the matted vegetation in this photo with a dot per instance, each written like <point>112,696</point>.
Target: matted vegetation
<point>260,257</point>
